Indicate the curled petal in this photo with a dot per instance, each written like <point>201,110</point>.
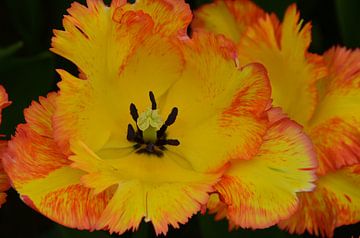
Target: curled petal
<point>334,202</point>
<point>4,182</point>
<point>293,73</point>
<point>261,191</point>
<point>228,17</point>
<point>160,190</point>
<point>169,16</point>
<point>38,170</point>
<point>222,116</point>
<point>334,128</point>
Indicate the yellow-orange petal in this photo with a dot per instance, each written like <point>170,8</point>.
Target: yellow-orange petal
<point>91,37</point>
<point>282,48</point>
<point>334,128</point>
<point>39,171</point>
<point>222,116</point>
<point>158,189</point>
<point>169,16</point>
<point>4,180</point>
<point>334,202</point>
<point>106,98</point>
<point>228,17</point>
<point>262,191</point>
<point>32,153</point>
<point>4,101</point>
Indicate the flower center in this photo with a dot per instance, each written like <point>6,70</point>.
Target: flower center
<point>150,136</point>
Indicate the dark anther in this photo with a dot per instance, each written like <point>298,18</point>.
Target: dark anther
<point>134,113</point>
<point>162,142</point>
<point>131,134</point>
<point>169,121</point>
<point>152,99</point>
<point>172,117</point>
<point>172,142</point>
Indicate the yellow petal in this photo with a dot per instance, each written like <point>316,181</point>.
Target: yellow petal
<point>227,17</point>
<point>169,16</point>
<point>39,171</point>
<point>60,197</point>
<point>96,110</point>
<point>262,191</point>
<point>222,115</point>
<point>282,48</point>
<point>32,153</point>
<point>334,128</point>
<point>160,189</point>
<point>334,202</point>
<point>4,180</point>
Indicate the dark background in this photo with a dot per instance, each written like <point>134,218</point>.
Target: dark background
<point>27,70</point>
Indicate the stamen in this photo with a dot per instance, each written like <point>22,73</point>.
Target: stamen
<point>148,138</point>
<point>172,117</point>
<point>152,99</point>
<point>167,142</point>
<point>172,142</point>
<point>169,121</point>
<point>131,135</point>
<point>134,113</point>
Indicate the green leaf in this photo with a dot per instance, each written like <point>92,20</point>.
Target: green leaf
<point>10,50</point>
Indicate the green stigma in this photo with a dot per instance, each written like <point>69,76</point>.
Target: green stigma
<point>149,122</point>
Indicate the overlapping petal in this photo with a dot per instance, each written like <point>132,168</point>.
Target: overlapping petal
<point>261,191</point>
<point>334,202</point>
<point>228,17</point>
<point>159,189</point>
<point>293,72</point>
<point>334,131</point>
<point>223,115</point>
<point>169,16</point>
<point>262,38</point>
<point>39,172</point>
<point>335,125</point>
<point>4,182</point>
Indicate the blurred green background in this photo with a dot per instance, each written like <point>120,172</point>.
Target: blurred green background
<point>27,70</point>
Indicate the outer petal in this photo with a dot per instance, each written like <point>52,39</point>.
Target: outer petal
<point>335,127</point>
<point>169,16</point>
<point>161,190</point>
<point>283,51</point>
<point>335,202</point>
<point>4,182</point>
<point>38,171</point>
<point>228,17</point>
<point>262,191</point>
<point>222,116</point>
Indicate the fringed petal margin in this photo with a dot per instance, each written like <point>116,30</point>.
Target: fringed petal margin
<point>4,180</point>
<point>157,189</point>
<point>261,191</point>
<point>293,73</point>
<point>223,115</point>
<point>39,171</point>
<point>228,17</point>
<point>334,202</point>
<point>169,16</point>
<point>335,126</point>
